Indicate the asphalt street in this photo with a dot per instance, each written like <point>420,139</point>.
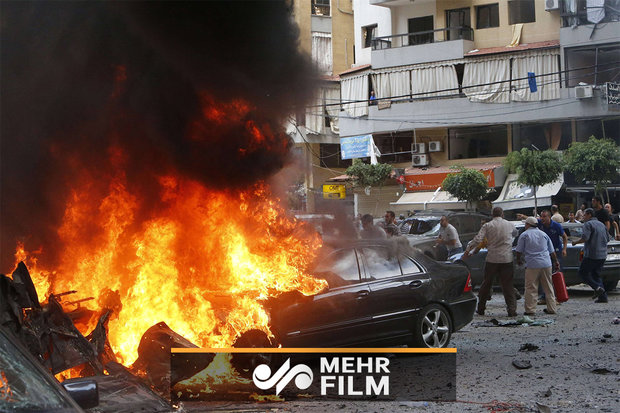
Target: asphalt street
<point>574,365</point>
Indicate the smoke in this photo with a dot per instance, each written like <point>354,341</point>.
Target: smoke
<point>82,79</point>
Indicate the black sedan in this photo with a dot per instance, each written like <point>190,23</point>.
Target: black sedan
<point>380,293</point>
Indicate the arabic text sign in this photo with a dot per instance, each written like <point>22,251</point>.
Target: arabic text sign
<point>613,93</point>
<point>355,147</point>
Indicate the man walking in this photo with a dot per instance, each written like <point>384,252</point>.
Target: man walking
<point>595,237</point>
<point>499,234</point>
<point>449,237</point>
<point>538,250</point>
<point>558,238</point>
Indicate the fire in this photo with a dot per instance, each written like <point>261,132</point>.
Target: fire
<point>201,264</point>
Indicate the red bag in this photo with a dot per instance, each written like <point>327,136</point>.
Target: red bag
<point>559,286</point>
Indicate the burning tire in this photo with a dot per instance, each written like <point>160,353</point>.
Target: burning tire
<point>245,363</point>
<point>432,327</point>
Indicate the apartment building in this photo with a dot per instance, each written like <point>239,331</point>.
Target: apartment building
<point>325,34</point>
<point>468,81</point>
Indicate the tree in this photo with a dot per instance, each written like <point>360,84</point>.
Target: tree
<point>366,175</point>
<point>534,168</point>
<point>596,160</point>
<point>466,185</point>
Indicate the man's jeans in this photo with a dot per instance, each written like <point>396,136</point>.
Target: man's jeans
<point>590,273</point>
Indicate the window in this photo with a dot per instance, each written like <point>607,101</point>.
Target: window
<point>420,24</point>
<point>331,157</point>
<point>459,23</point>
<point>478,142</point>
<point>394,148</point>
<point>339,268</point>
<point>320,7</point>
<point>593,65</point>
<point>521,11</point>
<point>368,32</point>
<point>542,136</point>
<point>380,263</point>
<point>487,16</point>
<point>599,128</point>
<point>408,266</point>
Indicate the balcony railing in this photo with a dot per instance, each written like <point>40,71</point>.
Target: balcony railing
<point>427,36</point>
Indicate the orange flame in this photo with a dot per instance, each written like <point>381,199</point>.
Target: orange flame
<point>201,264</point>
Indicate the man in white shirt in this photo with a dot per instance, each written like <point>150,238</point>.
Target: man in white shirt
<point>557,217</point>
<point>499,234</point>
<point>449,237</point>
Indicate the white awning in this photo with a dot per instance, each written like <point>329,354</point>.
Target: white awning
<point>517,196</point>
<point>428,200</point>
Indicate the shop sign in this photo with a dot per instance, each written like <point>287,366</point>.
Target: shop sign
<point>334,192</point>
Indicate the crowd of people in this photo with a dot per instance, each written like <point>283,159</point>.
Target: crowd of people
<point>541,248</point>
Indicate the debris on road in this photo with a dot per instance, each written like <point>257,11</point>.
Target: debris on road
<point>521,364</point>
<point>528,347</point>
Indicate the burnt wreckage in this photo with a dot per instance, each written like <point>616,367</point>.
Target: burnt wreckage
<point>49,333</point>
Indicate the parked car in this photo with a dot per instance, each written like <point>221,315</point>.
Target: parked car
<point>381,293</point>
<point>570,263</point>
<point>422,229</point>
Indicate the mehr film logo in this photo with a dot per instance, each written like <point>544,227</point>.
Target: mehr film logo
<point>336,374</point>
<point>351,373</point>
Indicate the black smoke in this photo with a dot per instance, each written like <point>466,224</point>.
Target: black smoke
<point>78,78</point>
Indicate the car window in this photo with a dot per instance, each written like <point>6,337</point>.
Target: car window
<point>456,223</point>
<point>339,268</point>
<point>380,263</point>
<point>408,266</point>
<point>419,226</point>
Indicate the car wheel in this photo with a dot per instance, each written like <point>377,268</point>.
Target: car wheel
<point>245,363</point>
<point>610,285</point>
<point>433,327</point>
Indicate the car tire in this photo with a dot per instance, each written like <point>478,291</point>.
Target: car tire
<point>245,363</point>
<point>432,327</point>
<point>610,285</point>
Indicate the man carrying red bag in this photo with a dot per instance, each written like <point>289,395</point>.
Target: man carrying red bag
<point>538,250</point>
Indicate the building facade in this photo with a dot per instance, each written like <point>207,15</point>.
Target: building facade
<point>325,34</point>
<point>466,82</point>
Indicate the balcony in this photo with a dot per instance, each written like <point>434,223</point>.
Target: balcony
<point>421,47</point>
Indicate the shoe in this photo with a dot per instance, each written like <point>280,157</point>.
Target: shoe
<point>512,314</point>
<point>542,301</point>
<point>599,292</point>
<point>480,312</point>
<point>530,314</point>
<point>548,311</point>
<point>601,300</point>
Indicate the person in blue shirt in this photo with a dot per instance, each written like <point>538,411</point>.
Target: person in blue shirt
<point>539,253</point>
<point>595,237</point>
<point>558,239</point>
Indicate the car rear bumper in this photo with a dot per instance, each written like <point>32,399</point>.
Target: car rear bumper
<point>463,310</point>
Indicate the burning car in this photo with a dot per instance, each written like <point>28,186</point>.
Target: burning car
<point>380,294</point>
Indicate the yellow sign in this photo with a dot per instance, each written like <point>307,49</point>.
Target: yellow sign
<point>334,192</point>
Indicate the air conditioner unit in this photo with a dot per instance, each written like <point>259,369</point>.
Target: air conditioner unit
<point>552,5</point>
<point>418,148</point>
<point>583,92</point>
<point>419,160</point>
<point>434,146</point>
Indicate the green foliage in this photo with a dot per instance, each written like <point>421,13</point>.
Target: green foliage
<point>364,174</point>
<point>596,160</point>
<point>466,185</point>
<point>534,168</point>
